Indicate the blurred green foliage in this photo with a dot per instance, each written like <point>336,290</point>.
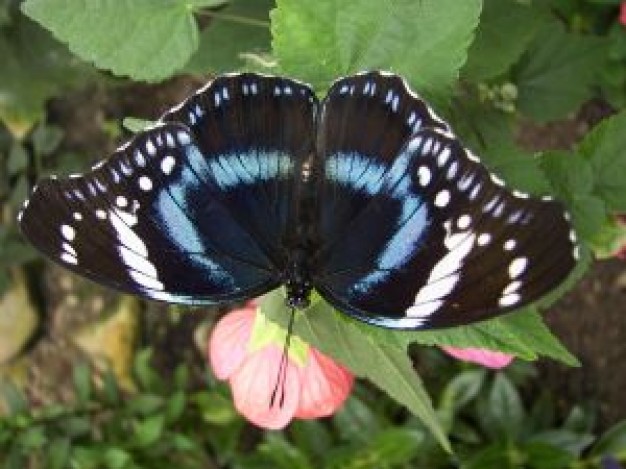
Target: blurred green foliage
<point>486,65</point>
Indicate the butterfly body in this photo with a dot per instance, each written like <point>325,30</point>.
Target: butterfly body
<point>252,183</point>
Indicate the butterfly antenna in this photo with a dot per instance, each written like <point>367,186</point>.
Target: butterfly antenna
<point>281,379</point>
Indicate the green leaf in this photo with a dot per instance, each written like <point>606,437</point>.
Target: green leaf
<point>116,458</point>
<point>58,454</point>
<point>462,389</point>
<point>175,406</point>
<point>35,67</point>
<point>505,30</point>
<point>82,382</point>
<point>144,39</point>
<point>555,74</point>
<point>312,436</point>
<point>356,422</point>
<point>13,398</point>
<point>32,438</point>
<point>424,41</point>
<point>145,404</point>
<point>573,443</point>
<point>387,366</point>
<point>147,377</point>
<point>149,430</point>
<point>134,124</point>
<point>242,27</point>
<point>605,150</point>
<point>522,333</point>
<point>392,447</point>
<point>544,456</point>
<point>18,159</point>
<point>502,413</point>
<point>214,407</point>
<point>46,139</point>
<point>612,442</point>
<point>282,454</point>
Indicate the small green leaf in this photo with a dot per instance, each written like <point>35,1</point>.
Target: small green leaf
<point>110,389</point>
<point>134,124</point>
<point>462,389</point>
<point>181,377</point>
<point>18,159</point>
<point>424,41</point>
<point>175,406</point>
<point>46,139</point>
<point>573,443</point>
<point>556,73</point>
<point>282,454</point>
<point>13,397</point>
<point>544,456</point>
<point>312,436</point>
<point>82,382</point>
<point>502,413</point>
<point>612,442</point>
<point>149,379</point>
<point>144,39</point>
<point>33,438</point>
<point>356,422</point>
<point>58,453</point>
<point>149,430</point>
<point>214,407</point>
<point>145,404</point>
<point>116,458</point>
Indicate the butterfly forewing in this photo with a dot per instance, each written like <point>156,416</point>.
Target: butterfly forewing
<point>192,212</point>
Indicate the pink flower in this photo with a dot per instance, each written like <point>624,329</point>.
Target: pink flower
<point>484,357</point>
<point>622,14</point>
<point>246,350</point>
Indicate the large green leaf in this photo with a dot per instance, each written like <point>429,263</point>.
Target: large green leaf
<point>144,39</point>
<point>605,149</point>
<point>555,74</point>
<point>426,41</point>
<point>384,364</point>
<point>242,27</point>
<point>506,27</point>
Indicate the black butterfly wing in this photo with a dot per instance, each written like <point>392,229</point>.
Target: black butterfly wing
<point>185,212</point>
<point>436,239</point>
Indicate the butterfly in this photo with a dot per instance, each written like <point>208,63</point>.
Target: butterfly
<point>252,183</point>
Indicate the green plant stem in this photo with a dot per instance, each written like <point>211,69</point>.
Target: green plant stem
<point>236,19</point>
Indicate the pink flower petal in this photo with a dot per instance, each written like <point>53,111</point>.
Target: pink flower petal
<point>622,16</point>
<point>229,341</point>
<point>484,357</point>
<point>325,386</point>
<point>254,382</point>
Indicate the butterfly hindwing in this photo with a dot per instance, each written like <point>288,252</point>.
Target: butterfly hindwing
<point>442,242</point>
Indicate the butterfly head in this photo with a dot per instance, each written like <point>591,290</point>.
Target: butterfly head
<point>297,280</point>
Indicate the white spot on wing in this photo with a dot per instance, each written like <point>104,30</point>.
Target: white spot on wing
<point>145,183</point>
<point>517,267</point>
<point>442,198</point>
<point>167,164</point>
<point>68,232</point>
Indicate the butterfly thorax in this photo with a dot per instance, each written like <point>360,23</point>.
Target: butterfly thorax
<point>297,279</point>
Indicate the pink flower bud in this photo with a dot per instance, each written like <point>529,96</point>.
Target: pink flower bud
<point>484,357</point>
